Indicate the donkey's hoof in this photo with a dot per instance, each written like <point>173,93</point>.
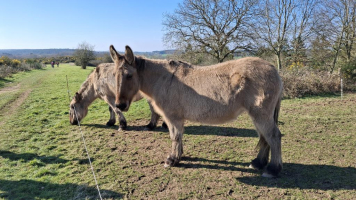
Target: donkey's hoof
<point>110,123</point>
<point>257,164</point>
<point>268,175</point>
<point>149,127</point>
<point>272,171</point>
<point>123,124</point>
<point>170,161</point>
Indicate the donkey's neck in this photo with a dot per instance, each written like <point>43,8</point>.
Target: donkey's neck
<point>88,92</point>
<point>151,74</point>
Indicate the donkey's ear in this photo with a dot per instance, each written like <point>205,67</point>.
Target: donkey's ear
<point>114,54</point>
<point>129,56</point>
<point>78,97</point>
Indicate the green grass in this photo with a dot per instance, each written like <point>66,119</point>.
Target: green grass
<point>42,155</point>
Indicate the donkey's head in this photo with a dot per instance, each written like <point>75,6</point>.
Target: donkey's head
<point>127,80</point>
<point>77,110</point>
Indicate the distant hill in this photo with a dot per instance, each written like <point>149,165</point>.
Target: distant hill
<point>40,53</point>
<point>35,53</point>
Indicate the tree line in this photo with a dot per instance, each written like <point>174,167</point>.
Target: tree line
<point>318,34</point>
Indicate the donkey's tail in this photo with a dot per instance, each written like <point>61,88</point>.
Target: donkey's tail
<point>276,111</point>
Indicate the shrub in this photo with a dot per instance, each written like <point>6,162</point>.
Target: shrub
<point>306,82</point>
<point>15,63</point>
<point>5,60</point>
<point>9,66</point>
<point>349,70</point>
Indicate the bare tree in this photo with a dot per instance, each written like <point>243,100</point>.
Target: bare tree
<point>215,27</point>
<point>274,25</point>
<point>337,21</point>
<point>84,53</point>
<point>304,21</point>
<point>350,24</point>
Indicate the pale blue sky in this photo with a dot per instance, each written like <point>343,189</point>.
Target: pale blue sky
<point>42,24</point>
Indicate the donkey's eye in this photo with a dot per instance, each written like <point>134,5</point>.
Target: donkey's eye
<point>129,76</point>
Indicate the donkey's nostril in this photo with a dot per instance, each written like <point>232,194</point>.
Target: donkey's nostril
<point>74,122</point>
<point>121,106</point>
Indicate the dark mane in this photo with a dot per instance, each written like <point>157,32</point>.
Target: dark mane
<point>140,63</point>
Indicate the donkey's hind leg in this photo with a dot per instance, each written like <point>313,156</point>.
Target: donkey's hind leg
<point>176,130</point>
<point>272,136</point>
<point>112,119</point>
<point>262,158</point>
<point>154,118</point>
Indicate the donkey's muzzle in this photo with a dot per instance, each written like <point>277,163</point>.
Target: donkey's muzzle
<point>74,122</point>
<point>121,106</point>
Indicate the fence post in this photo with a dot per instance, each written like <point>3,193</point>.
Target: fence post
<point>341,82</point>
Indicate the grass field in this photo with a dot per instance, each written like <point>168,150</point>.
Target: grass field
<point>42,156</point>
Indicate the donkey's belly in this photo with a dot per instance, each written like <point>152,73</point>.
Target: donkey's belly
<point>215,116</point>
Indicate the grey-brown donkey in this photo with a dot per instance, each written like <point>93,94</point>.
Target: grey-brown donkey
<point>101,84</point>
<point>211,95</point>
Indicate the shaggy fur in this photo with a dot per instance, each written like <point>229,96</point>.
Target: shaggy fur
<point>101,84</point>
<point>211,95</point>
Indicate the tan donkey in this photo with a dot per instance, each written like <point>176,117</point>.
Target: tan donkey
<point>211,95</point>
<point>101,84</point>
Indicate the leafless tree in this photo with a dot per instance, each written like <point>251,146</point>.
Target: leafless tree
<point>84,53</point>
<point>215,27</point>
<point>337,21</point>
<point>275,24</point>
<point>350,24</point>
<point>303,24</point>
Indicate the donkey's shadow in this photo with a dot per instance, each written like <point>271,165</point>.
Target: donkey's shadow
<point>219,131</point>
<point>128,128</point>
<point>194,162</point>
<point>301,176</point>
<point>190,130</point>
<point>293,175</point>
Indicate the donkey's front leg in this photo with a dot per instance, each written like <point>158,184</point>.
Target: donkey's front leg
<point>122,120</point>
<point>176,130</point>
<point>112,119</point>
<point>111,101</point>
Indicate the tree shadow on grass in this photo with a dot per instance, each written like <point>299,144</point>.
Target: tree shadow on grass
<point>26,157</point>
<point>30,156</point>
<point>220,131</point>
<point>31,190</point>
<point>323,177</point>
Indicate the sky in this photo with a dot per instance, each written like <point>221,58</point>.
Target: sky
<point>45,24</point>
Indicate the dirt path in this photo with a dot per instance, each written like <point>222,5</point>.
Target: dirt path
<point>12,106</point>
<point>10,89</point>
